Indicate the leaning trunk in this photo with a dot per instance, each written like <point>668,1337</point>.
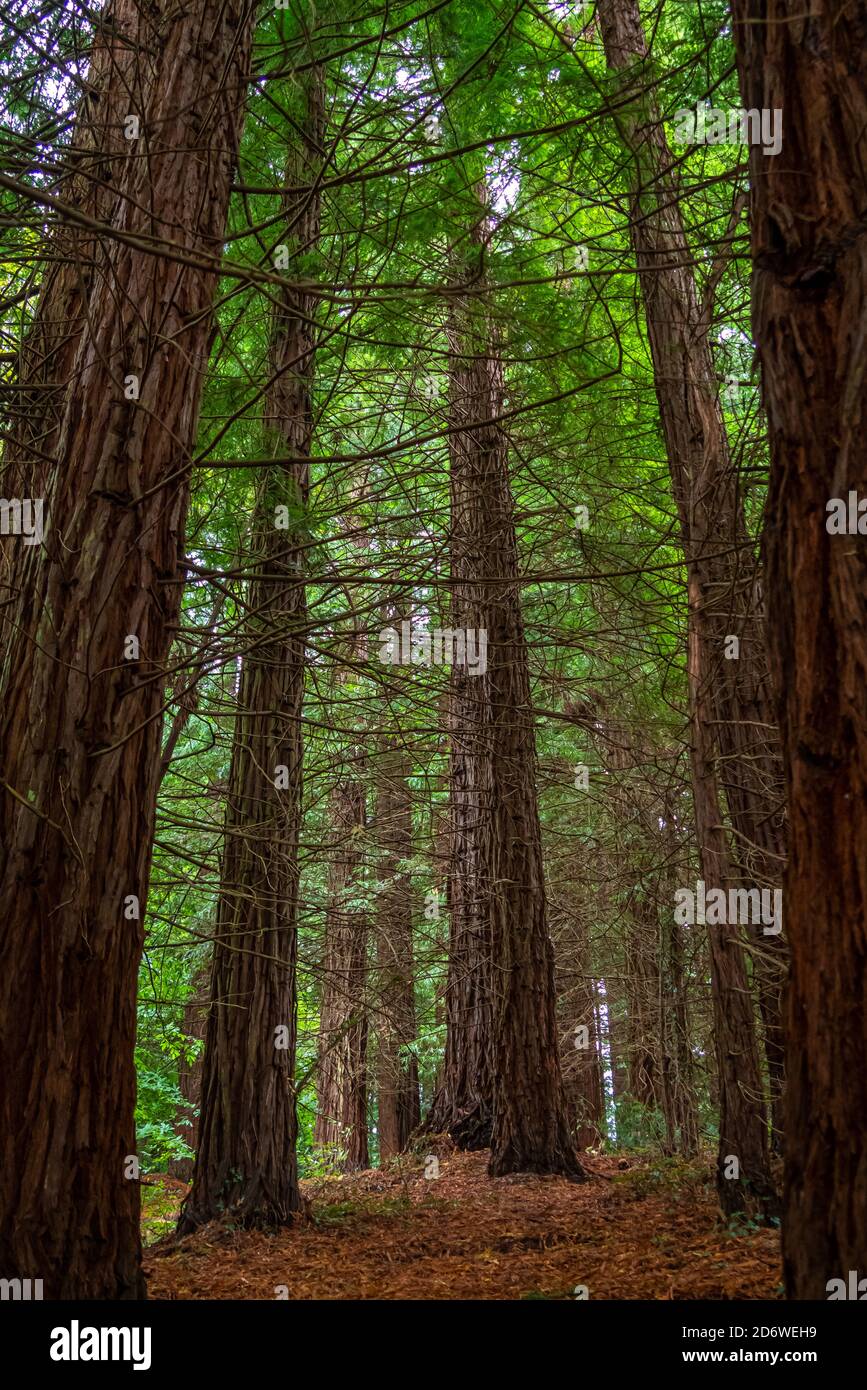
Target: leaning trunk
<point>743,1174</point>
<point>93,186</point>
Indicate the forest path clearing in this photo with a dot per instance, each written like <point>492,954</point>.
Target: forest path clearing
<point>652,1231</point>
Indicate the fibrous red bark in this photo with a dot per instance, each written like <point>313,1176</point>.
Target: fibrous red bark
<point>246,1166</point>
<point>501,983</point>
<point>397,1068</point>
<point>725,594</point>
<point>80,724</point>
<point>341,1087</point>
<point>809,248</point>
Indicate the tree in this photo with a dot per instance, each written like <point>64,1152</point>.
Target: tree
<point>342,1090</point>
<point>730,698</point>
<point>89,186</point>
<point>809,285</point>
<point>80,730</point>
<point>246,1162</point>
<point>397,1071</point>
<point>341,1118</point>
<point>743,1178</point>
<point>498,845</point>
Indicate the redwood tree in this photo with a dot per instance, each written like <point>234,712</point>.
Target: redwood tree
<point>719,555</point>
<point>808,214</point>
<point>91,185</point>
<point>502,908</point>
<point>397,1066</point>
<point>80,723</point>
<point>245,1162</point>
<point>744,1180</point>
<point>341,1089</point>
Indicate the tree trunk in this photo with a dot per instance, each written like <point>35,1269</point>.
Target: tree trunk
<point>678,1033</point>
<point>501,906</point>
<point>123,61</point>
<point>120,79</point>
<point>341,1114</point>
<point>577,1009</point>
<point>398,1108</point>
<point>246,1165</point>
<point>809,207</point>
<point>190,1076</point>
<point>463,1104</point>
<point>643,1052</point>
<point>743,1174</point>
<point>717,547</point>
<point>80,724</point>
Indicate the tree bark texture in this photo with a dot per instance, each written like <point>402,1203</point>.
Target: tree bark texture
<point>809,247</point>
<point>718,550</point>
<point>398,1092</point>
<point>80,724</point>
<point>246,1166</point>
<point>502,1005</point>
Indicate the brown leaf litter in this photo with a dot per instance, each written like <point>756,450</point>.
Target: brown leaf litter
<point>652,1231</point>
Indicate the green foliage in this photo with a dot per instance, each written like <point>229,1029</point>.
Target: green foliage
<point>528,109</point>
<point>639,1127</point>
<point>160,1108</point>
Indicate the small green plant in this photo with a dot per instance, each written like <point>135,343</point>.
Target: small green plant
<point>160,1204</point>
<point>324,1161</point>
<point>741,1224</point>
<point>639,1126</point>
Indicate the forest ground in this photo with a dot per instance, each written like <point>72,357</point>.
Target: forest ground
<point>639,1228</point>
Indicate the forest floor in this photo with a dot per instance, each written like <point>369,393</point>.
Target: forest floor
<point>639,1228</point>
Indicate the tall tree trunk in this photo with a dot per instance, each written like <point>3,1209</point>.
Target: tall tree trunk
<point>643,1053</point>
<point>809,210</point>
<point>577,1010</point>
<point>342,1091</point>
<point>717,547</point>
<point>716,541</point>
<point>124,60</point>
<point>341,1115</point>
<point>678,1050</point>
<point>80,725</point>
<point>190,1076</point>
<point>123,66</point>
<point>743,1175</point>
<point>246,1164</point>
<point>398,1107</point>
<point>463,1104</point>
<point>678,1031</point>
<point>501,907</point>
